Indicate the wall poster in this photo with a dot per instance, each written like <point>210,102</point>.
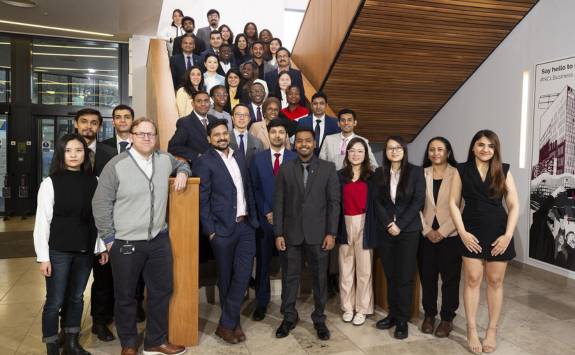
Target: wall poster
<point>552,197</point>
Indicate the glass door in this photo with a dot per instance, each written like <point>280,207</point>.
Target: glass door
<point>3,160</point>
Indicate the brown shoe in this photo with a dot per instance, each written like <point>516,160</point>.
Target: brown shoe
<point>165,349</point>
<point>239,333</point>
<point>428,324</point>
<point>129,351</point>
<point>227,334</point>
<point>443,329</point>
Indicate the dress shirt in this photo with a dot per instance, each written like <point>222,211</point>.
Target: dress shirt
<point>201,118</point>
<point>281,157</point>
<point>146,164</point>
<point>344,145</point>
<point>393,182</point>
<point>234,170</point>
<point>120,140</point>
<point>225,67</point>
<point>44,214</point>
<point>191,56</point>
<point>321,127</point>
<point>255,108</point>
<point>284,102</point>
<point>92,146</point>
<point>245,139</point>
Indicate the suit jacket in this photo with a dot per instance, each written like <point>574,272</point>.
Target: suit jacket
<point>381,210</point>
<point>203,35</point>
<point>331,127</point>
<point>199,46</point>
<point>253,114</point>
<point>331,146</point>
<point>103,155</point>
<point>271,79</point>
<point>233,65</point>
<point>439,209</point>
<point>306,214</point>
<point>263,180</point>
<point>111,142</point>
<point>260,131</point>
<point>253,145</point>
<point>190,139</point>
<point>218,203</point>
<point>178,68</point>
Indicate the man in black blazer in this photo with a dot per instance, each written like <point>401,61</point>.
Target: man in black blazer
<point>122,118</point>
<point>180,63</point>
<point>251,144</point>
<point>228,217</point>
<point>306,217</point>
<point>284,64</point>
<point>190,139</point>
<point>188,25</point>
<point>322,124</point>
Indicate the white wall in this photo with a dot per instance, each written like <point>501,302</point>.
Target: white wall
<point>491,99</point>
<point>137,79</point>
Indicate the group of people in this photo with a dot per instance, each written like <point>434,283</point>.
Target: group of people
<point>272,179</point>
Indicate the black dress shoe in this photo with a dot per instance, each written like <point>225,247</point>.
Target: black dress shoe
<point>385,323</point>
<point>285,328</point>
<point>72,346</point>
<point>52,349</point>
<point>259,314</point>
<point>141,314</point>
<point>400,330</point>
<point>322,331</point>
<point>102,332</point>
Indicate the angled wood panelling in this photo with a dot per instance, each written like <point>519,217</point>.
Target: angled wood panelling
<point>322,31</point>
<point>403,59</point>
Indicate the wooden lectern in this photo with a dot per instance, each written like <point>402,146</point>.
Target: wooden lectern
<point>184,222</point>
<point>380,288</point>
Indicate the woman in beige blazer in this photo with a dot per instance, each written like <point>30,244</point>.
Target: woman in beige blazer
<point>271,108</point>
<point>440,248</point>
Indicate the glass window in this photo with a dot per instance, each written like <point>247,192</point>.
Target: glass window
<point>75,73</point>
<point>3,162</point>
<point>4,70</point>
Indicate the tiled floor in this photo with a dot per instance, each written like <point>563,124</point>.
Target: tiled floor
<point>538,318</point>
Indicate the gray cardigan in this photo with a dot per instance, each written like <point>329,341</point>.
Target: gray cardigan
<point>127,204</point>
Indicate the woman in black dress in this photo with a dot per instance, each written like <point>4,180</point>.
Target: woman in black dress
<point>485,229</point>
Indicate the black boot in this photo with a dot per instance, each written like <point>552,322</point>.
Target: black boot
<point>72,347</point>
<point>52,349</point>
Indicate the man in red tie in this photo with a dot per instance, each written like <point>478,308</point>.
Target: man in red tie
<point>264,167</point>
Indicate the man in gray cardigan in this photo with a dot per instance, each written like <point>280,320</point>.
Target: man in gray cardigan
<point>129,208</point>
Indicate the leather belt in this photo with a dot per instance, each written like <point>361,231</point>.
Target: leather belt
<point>241,219</point>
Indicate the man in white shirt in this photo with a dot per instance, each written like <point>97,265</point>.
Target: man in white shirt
<point>122,118</point>
<point>228,217</point>
<point>241,140</point>
<point>334,146</point>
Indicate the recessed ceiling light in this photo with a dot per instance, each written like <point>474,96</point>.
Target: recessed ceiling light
<point>21,3</point>
<point>64,29</point>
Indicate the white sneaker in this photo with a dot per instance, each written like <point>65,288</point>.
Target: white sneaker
<point>359,319</point>
<point>347,316</point>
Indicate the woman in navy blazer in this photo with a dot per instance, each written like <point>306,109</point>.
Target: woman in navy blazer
<point>397,195</point>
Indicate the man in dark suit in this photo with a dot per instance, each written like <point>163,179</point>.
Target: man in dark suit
<point>214,46</point>
<point>88,123</point>
<point>188,26</point>
<point>263,169</point>
<point>228,217</point>
<point>180,63</point>
<point>318,121</point>
<point>306,218</point>
<point>284,64</point>
<point>258,93</point>
<point>122,118</point>
<point>190,139</point>
<point>227,60</point>
<point>240,139</point>
<point>213,21</point>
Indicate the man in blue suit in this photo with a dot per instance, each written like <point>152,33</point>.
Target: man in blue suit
<point>264,167</point>
<point>321,124</point>
<point>228,217</point>
<point>182,62</point>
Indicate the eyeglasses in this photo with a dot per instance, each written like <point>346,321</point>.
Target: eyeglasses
<point>241,115</point>
<point>142,135</point>
<point>395,149</point>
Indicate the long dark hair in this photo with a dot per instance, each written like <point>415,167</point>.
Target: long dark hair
<point>347,171</point>
<point>278,91</point>
<point>497,188</point>
<point>59,159</point>
<point>188,86</point>
<point>237,52</point>
<point>181,14</point>
<point>231,39</point>
<point>255,37</point>
<point>386,167</point>
<point>450,157</point>
<point>238,96</point>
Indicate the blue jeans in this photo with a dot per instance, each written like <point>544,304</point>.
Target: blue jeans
<point>66,285</point>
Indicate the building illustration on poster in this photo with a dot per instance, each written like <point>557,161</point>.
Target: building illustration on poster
<point>552,232</point>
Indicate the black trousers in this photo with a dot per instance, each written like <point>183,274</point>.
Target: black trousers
<point>443,258</point>
<point>152,259</point>
<point>317,259</point>
<point>399,259</point>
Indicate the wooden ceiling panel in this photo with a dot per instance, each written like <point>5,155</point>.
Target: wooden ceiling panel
<point>403,59</point>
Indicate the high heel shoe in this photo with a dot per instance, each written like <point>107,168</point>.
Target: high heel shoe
<point>490,346</point>
<point>473,342</point>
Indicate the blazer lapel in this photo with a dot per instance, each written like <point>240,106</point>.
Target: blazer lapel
<point>223,166</point>
<point>313,171</point>
<point>429,184</point>
<point>233,142</point>
<point>443,191</point>
<point>298,175</point>
<point>249,146</point>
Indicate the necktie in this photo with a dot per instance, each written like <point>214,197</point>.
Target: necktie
<point>188,63</point>
<point>205,122</point>
<point>343,147</point>
<point>259,114</point>
<point>92,157</point>
<point>305,173</point>
<point>317,133</point>
<point>277,164</point>
<point>242,149</point>
<point>123,146</point>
